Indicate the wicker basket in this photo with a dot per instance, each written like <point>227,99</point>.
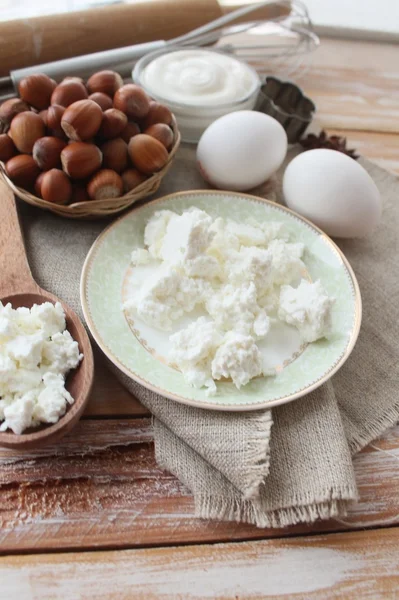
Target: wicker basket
<point>99,208</point>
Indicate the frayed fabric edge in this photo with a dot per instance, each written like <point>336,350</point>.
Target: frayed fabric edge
<point>375,429</point>
<point>258,457</point>
<point>229,509</point>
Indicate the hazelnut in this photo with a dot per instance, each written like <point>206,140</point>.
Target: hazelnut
<point>113,123</point>
<point>38,185</point>
<point>22,170</point>
<point>47,152</point>
<point>158,113</point>
<point>106,82</point>
<point>130,130</point>
<point>54,116</point>
<point>55,187</point>
<point>43,116</point>
<point>26,128</point>
<point>68,92</point>
<point>132,100</point>
<point>115,155</point>
<point>79,193</point>
<point>80,160</point>
<point>131,179</point>
<point>81,120</point>
<point>147,154</point>
<point>162,133</point>
<point>105,184</point>
<point>103,101</point>
<point>36,90</point>
<point>7,148</point>
<point>8,110</point>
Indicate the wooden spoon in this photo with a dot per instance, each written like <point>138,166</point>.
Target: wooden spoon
<point>18,287</point>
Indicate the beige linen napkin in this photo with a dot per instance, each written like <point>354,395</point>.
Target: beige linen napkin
<point>241,466</point>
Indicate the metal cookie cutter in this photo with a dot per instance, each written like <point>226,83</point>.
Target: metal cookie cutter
<point>286,102</point>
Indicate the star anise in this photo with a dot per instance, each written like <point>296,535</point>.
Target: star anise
<point>333,142</point>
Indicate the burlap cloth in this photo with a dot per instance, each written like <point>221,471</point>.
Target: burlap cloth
<point>241,466</point>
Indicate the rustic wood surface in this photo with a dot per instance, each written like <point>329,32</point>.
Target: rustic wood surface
<point>100,488</point>
<point>301,568</point>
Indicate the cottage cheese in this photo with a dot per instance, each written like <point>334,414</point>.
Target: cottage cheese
<point>192,350</point>
<point>238,358</point>
<point>236,309</point>
<point>241,275</point>
<point>165,296</point>
<point>308,308</point>
<point>36,353</point>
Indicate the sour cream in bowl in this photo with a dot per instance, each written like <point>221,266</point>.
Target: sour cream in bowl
<point>199,85</point>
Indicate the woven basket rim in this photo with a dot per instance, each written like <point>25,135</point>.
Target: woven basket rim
<point>105,206</point>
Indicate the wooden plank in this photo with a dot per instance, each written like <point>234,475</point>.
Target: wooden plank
<point>103,489</point>
<point>109,398</point>
<point>341,53</point>
<point>356,99</point>
<point>354,85</point>
<point>87,439</point>
<point>315,567</point>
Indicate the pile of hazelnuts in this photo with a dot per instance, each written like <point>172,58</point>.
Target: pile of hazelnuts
<point>77,141</point>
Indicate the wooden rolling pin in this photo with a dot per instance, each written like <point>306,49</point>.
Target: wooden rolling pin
<point>33,41</point>
<point>38,40</point>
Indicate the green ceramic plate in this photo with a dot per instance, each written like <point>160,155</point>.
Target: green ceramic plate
<point>141,352</point>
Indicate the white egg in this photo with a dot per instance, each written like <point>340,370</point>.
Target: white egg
<point>334,192</point>
<point>241,150</point>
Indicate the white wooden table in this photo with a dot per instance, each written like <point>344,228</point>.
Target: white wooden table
<point>96,518</point>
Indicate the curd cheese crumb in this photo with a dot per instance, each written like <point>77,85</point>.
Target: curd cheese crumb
<point>60,354</point>
<point>18,380</point>
<point>308,308</point>
<point>286,264</point>
<point>17,412</point>
<point>224,241</point>
<point>272,230</point>
<point>52,399</point>
<point>187,236</point>
<point>255,233</point>
<point>236,308</point>
<point>155,231</point>
<point>26,350</point>
<point>251,264</point>
<point>192,349</point>
<point>206,267</point>
<point>165,296</point>
<point>247,235</point>
<point>36,352</point>
<point>238,358</point>
<point>50,318</point>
